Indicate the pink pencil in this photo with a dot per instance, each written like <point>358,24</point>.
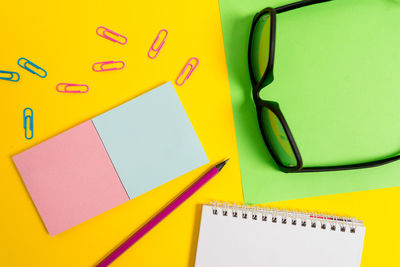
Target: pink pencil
<point>163,214</point>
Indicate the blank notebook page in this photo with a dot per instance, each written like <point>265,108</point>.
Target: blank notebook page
<point>274,238</point>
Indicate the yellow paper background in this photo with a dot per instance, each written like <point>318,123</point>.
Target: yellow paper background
<point>60,37</point>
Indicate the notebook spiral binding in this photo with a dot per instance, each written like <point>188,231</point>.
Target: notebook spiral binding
<point>294,218</point>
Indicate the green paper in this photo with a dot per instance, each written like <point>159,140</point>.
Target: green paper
<point>336,79</point>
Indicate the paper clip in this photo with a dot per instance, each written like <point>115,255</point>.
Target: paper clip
<point>99,66</point>
<point>192,68</point>
<point>63,88</point>
<point>12,76</point>
<point>30,129</point>
<point>157,50</point>
<point>104,32</point>
<point>25,66</point>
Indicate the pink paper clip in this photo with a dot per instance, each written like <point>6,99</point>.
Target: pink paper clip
<point>103,33</point>
<point>99,66</point>
<point>157,50</point>
<point>63,88</point>
<point>192,68</point>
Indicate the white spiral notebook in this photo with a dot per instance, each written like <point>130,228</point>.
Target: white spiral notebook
<point>241,236</point>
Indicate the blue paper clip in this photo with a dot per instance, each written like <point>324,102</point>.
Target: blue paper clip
<point>25,66</point>
<point>11,75</point>
<point>30,129</point>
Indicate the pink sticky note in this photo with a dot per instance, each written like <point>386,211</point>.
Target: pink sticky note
<point>70,178</point>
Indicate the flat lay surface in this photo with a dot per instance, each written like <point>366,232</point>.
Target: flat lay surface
<point>61,38</point>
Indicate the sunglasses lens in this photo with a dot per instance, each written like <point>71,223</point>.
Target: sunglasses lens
<point>277,138</point>
<point>260,46</point>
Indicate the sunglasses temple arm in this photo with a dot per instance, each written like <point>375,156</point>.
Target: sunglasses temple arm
<point>352,166</point>
<point>298,4</point>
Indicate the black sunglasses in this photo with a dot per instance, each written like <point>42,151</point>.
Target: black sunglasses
<point>274,129</point>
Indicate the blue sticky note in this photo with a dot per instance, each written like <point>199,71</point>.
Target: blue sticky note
<point>150,140</point>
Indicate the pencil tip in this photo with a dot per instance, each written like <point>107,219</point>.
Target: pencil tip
<point>221,165</point>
